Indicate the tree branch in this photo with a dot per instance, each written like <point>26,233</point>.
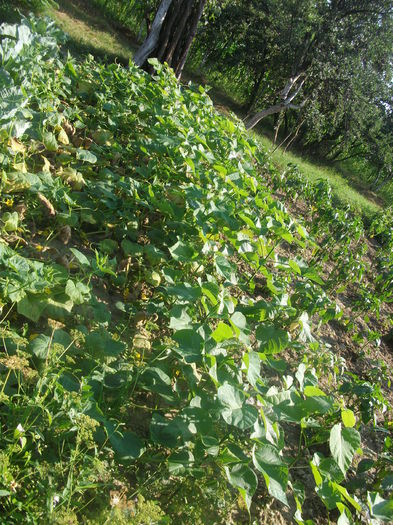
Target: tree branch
<point>285,104</point>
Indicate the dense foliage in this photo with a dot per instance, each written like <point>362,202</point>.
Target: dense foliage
<point>332,57</point>
<point>341,53</point>
<point>160,309</point>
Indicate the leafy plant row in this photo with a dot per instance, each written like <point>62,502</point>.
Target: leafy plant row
<point>153,333</point>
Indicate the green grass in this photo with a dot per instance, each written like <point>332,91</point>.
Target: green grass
<point>90,32</point>
<point>366,205</point>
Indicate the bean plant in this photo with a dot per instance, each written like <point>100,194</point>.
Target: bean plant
<point>156,345</point>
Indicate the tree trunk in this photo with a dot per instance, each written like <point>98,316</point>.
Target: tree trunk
<point>152,38</point>
<point>171,37</point>
<point>254,93</point>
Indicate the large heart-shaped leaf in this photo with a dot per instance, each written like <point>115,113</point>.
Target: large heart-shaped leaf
<point>190,345</point>
<point>267,460</point>
<point>343,444</point>
<point>381,509</point>
<point>164,431</point>
<point>180,462</point>
<point>235,411</point>
<point>272,340</point>
<point>244,479</point>
<point>127,445</point>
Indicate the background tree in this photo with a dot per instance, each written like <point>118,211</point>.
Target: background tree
<point>172,32</point>
<point>326,64</point>
<point>323,68</point>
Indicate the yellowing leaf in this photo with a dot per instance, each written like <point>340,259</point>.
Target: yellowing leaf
<point>348,418</point>
<point>313,391</point>
<point>63,137</point>
<point>47,165</point>
<point>17,146</point>
<point>20,166</point>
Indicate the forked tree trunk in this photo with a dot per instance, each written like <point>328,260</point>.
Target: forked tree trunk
<point>173,30</point>
<point>287,95</point>
<point>152,38</point>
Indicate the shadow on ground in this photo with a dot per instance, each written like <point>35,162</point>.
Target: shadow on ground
<point>90,31</point>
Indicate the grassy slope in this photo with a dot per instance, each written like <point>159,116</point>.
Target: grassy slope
<point>344,192</point>
<point>90,32</point>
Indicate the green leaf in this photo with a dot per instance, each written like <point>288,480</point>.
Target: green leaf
<point>272,340</point>
<point>127,446</point>
<point>387,483</point>
<point>153,379</point>
<point>226,269</point>
<point>131,248</point>
<point>155,63</point>
<point>244,479</point>
<point>347,496</point>
<point>164,431</point>
<point>211,445</point>
<point>348,418</point>
<point>182,252</point>
<point>328,468</point>
<point>329,494</point>
<point>230,396</point>
<point>222,332</point>
<point>108,246</point>
<point>380,508</point>
<point>101,344</point>
<point>190,345</point>
<point>267,460</point>
<point>240,327</point>
<point>365,465</point>
<point>236,412</point>
<point>305,332</point>
<point>211,291</point>
<point>4,493</point>
<point>179,318</point>
<point>253,366</point>
<point>79,293</point>
<point>313,275</point>
<point>180,462</point>
<point>344,520</point>
<point>343,444</point>
<point>10,221</point>
<point>185,292</point>
<point>86,156</point>
<point>50,141</point>
<point>295,267</point>
<point>80,257</point>
<point>32,306</point>
<point>39,346</point>
<point>313,391</point>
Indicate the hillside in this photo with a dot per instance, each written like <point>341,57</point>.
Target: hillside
<point>188,334</point>
<point>99,32</point>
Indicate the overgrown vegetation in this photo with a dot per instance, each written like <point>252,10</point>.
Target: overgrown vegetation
<point>163,320</point>
<point>322,69</point>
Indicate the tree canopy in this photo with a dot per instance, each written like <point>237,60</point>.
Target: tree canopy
<point>328,63</point>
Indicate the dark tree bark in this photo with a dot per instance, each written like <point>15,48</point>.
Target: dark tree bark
<point>172,32</point>
<point>255,91</point>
